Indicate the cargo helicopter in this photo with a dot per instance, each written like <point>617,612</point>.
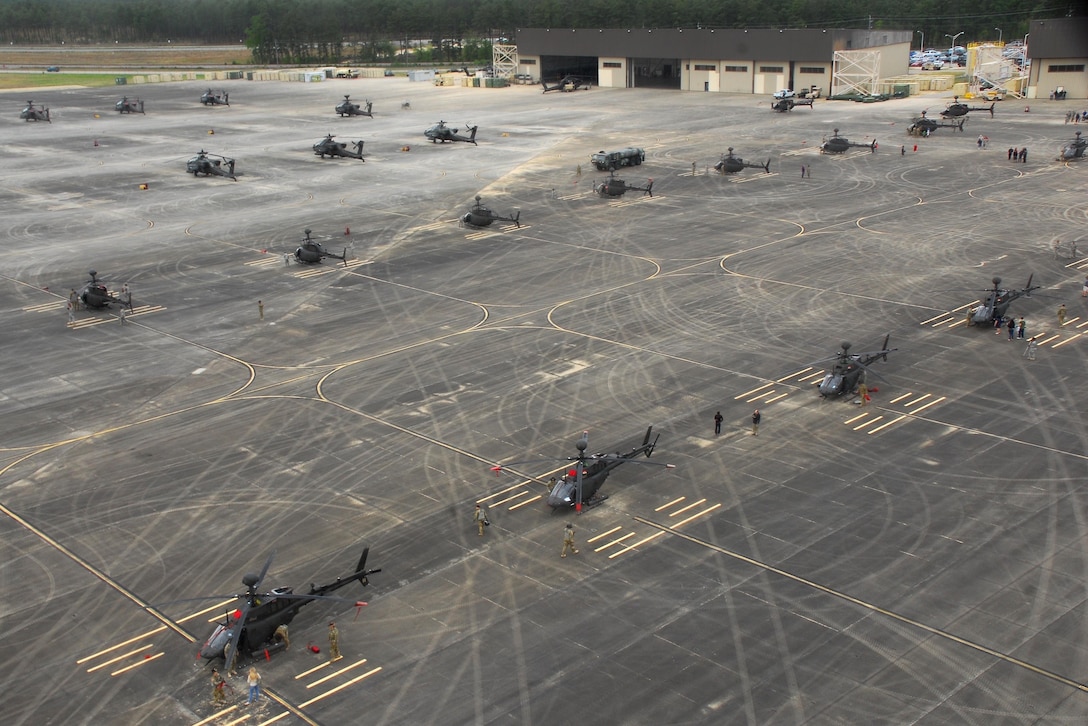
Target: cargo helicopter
<point>838,144</point>
<point>95,295</point>
<point>788,104</point>
<point>311,252</point>
<point>251,626</point>
<point>126,105</point>
<point>925,126</point>
<point>328,147</point>
<point>34,113</point>
<point>613,186</point>
<point>997,303</point>
<point>347,108</point>
<point>441,132</point>
<point>956,109</point>
<point>566,84</point>
<point>481,216</point>
<point>849,369</point>
<point>202,163</point>
<point>731,164</point>
<point>580,485</point>
<point>1074,149</point>
<point>215,98</point>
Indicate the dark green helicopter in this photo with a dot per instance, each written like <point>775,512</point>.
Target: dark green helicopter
<point>129,105</point>
<point>211,165</point>
<point>34,113</point>
<point>731,164</point>
<point>347,108</point>
<point>1074,149</point>
<point>332,149</point>
<point>997,302</point>
<point>481,216</point>
<point>925,126</point>
<point>215,98</point>
<point>613,186</point>
<point>95,295</point>
<point>440,132</point>
<point>839,144</point>
<point>849,369</point>
<point>311,252</point>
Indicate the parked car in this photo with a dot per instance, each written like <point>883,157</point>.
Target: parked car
<point>53,69</point>
<point>784,93</point>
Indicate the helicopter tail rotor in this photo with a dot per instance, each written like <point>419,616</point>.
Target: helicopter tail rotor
<point>884,348</point>
<point>472,136</point>
<point>767,166</point>
<point>517,218</point>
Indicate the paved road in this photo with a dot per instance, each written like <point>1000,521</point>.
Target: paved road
<point>919,560</point>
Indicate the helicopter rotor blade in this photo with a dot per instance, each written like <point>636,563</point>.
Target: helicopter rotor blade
<point>230,650</point>
<point>264,570</point>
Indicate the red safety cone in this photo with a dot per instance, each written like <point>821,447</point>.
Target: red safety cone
<point>347,231</point>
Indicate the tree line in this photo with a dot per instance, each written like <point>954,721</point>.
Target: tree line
<point>439,31</point>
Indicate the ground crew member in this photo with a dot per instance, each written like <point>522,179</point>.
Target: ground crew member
<point>71,313</point>
<point>1061,314</point>
<point>260,309</point>
<point>755,422</point>
<point>281,635</point>
<point>1029,352</point>
<point>219,687</point>
<point>334,642</point>
<point>73,298</point>
<point>863,394</point>
<point>568,540</point>
<point>718,418</point>
<point>479,518</point>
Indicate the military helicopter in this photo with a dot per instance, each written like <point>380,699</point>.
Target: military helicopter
<point>441,132</point>
<point>956,109</point>
<point>925,126</point>
<point>849,369</point>
<point>997,303</point>
<point>731,164</point>
<point>129,106</point>
<point>613,186</point>
<point>328,147</point>
<point>34,113</point>
<point>565,84</point>
<point>579,487</point>
<point>202,163</point>
<point>215,98</point>
<point>838,144</point>
<point>95,295</point>
<point>1074,149</point>
<point>788,104</point>
<point>481,216</point>
<point>347,108</point>
<point>311,252</point>
<point>251,626</point>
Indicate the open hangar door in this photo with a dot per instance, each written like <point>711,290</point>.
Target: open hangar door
<point>555,67</point>
<point>655,73</point>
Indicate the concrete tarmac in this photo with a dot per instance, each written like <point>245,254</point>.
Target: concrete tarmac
<point>921,559</point>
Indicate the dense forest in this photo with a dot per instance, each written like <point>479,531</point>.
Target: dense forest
<point>302,31</point>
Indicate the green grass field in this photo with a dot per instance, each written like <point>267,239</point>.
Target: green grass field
<point>49,80</point>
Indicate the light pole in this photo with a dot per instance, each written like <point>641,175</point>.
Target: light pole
<point>998,35</point>
<point>953,37</point>
<point>922,46</point>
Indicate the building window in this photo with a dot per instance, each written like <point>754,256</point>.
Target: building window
<point>770,69</point>
<point>736,69</point>
<point>1066,69</point>
<point>612,64</point>
<point>528,61</point>
<point>705,67</point>
<point>812,69</point>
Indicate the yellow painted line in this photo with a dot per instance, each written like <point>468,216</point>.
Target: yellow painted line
<point>1047,340</point>
<point>1082,325</point>
<point>674,501</point>
<point>813,376</point>
<point>512,497</point>
<point>949,313</point>
<point>942,321</point>
<point>916,401</point>
<point>113,660</point>
<point>908,394</point>
<point>749,393</point>
<point>237,721</point>
<point>1068,340</point>
<point>519,505</point>
<point>792,375</point>
<point>137,664</point>
<point>130,641</point>
<point>934,402</point>
<point>889,423</point>
<point>216,715</point>
<point>339,688</point>
<point>697,515</point>
<point>43,307</point>
<point>603,534</point>
<point>334,674</point>
<point>630,547</point>
<point>278,717</point>
<point>690,506</point>
<point>205,611</point>
<point>1070,321</point>
<point>871,607</point>
<point>860,416</point>
<point>615,541</point>
<point>870,421</point>
<point>316,668</point>
<point>499,493</point>
<point>777,398</point>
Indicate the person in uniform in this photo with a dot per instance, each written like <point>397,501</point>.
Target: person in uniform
<point>863,394</point>
<point>334,642</point>
<point>568,540</point>
<point>718,418</point>
<point>282,635</point>
<point>219,687</point>
<point>755,422</point>
<point>479,517</point>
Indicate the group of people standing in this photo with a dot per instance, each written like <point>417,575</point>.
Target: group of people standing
<point>1020,155</point>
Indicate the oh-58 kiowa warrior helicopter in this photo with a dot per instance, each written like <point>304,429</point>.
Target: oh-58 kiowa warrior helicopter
<point>566,84</point>
<point>440,132</point>
<point>481,216</point>
<point>788,104</point>
<point>838,144</point>
<point>129,105</point>
<point>311,252</point>
<point>347,108</point>
<point>328,147</point>
<point>731,164</point>
<point>613,186</point>
<point>1074,149</point>
<point>997,303</point>
<point>215,98</point>
<point>204,163</point>
<point>34,113</point>
<point>95,295</point>
<point>925,126</point>
<point>956,109</point>
<point>250,626</point>
<point>849,369</point>
<point>579,487</point>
